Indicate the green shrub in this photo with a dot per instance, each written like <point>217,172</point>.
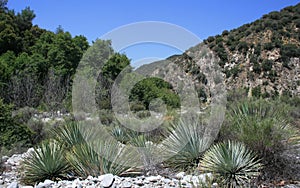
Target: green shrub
<point>106,117</point>
<point>267,65</point>
<point>256,92</point>
<point>260,124</point>
<point>2,168</point>
<point>11,132</point>
<point>39,132</point>
<point>232,162</point>
<point>45,162</point>
<point>23,115</point>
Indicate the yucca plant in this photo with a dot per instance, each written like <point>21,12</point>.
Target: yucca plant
<point>69,134</point>
<point>101,157</point>
<point>233,162</point>
<point>185,144</point>
<point>46,162</point>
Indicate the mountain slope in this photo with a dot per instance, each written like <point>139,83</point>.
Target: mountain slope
<point>261,57</point>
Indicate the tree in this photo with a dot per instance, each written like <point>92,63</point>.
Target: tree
<point>151,88</point>
<point>3,4</point>
<point>24,19</point>
<point>109,72</point>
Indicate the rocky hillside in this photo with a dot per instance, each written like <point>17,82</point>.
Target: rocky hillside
<point>261,57</point>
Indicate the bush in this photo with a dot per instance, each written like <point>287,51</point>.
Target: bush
<point>45,162</point>
<point>2,168</point>
<point>256,92</point>
<point>233,162</point>
<point>106,117</point>
<point>267,65</point>
<point>262,125</point>
<point>38,131</point>
<point>11,132</point>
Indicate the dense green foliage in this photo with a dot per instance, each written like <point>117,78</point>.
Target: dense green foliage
<point>36,65</point>
<point>152,88</point>
<point>109,72</point>
<point>10,130</point>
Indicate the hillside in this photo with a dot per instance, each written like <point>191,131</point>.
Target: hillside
<point>261,57</point>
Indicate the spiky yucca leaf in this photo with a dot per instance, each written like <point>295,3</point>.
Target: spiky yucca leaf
<point>100,157</point>
<point>233,162</point>
<point>45,162</point>
<point>69,134</point>
<point>185,144</point>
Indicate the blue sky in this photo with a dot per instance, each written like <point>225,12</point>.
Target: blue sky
<point>94,18</point>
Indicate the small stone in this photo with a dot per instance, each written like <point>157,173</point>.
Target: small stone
<point>180,175</point>
<point>153,178</point>
<point>166,181</point>
<point>89,178</point>
<point>126,184</point>
<point>76,183</point>
<point>27,186</point>
<point>49,182</point>
<point>14,160</point>
<point>5,158</point>
<point>46,183</point>
<point>108,180</point>
<point>13,185</point>
<point>187,178</point>
<point>1,182</point>
<point>139,182</point>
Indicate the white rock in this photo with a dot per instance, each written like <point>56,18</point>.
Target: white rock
<point>76,183</point>
<point>1,182</point>
<point>5,158</point>
<point>108,180</point>
<point>139,182</point>
<point>100,178</point>
<point>180,175</point>
<point>166,181</point>
<point>13,185</point>
<point>187,178</point>
<point>89,178</point>
<point>14,160</point>
<point>49,182</point>
<point>153,178</point>
<point>126,184</point>
<point>27,186</point>
<point>46,183</point>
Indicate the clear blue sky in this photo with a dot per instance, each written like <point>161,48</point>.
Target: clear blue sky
<point>94,18</point>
